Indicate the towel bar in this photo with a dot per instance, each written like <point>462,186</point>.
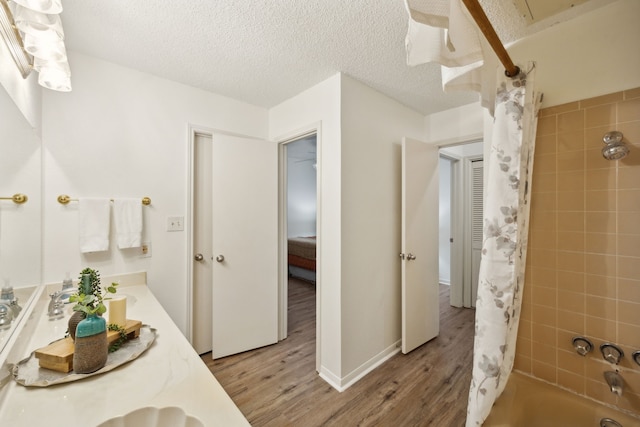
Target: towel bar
<point>18,198</point>
<point>64,199</point>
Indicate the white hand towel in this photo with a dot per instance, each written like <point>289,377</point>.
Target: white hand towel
<point>94,224</point>
<point>127,215</point>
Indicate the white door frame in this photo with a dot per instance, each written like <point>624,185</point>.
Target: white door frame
<point>314,128</point>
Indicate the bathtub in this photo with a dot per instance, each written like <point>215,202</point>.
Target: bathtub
<point>528,402</point>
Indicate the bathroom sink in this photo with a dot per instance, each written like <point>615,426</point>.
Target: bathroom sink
<point>150,416</point>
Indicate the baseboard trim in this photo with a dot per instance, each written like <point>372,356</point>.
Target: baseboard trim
<point>341,384</point>
<point>331,378</point>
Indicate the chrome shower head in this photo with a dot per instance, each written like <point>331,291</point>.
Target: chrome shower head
<point>615,148</point>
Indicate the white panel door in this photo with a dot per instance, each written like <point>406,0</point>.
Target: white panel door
<point>202,250</point>
<point>420,288</point>
<point>477,216</point>
<point>245,244</point>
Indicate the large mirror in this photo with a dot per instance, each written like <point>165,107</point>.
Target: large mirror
<point>20,223</point>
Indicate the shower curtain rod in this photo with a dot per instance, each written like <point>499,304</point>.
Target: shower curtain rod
<point>489,32</point>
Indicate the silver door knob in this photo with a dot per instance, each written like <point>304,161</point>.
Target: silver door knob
<point>411,257</point>
<point>220,258</point>
<point>198,257</point>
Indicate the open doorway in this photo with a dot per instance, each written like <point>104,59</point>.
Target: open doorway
<point>460,237</point>
<point>305,223</point>
<point>299,219</point>
<point>299,238</point>
<point>302,208</point>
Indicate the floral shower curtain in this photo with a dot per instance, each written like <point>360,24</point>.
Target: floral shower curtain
<point>506,218</point>
<point>442,31</point>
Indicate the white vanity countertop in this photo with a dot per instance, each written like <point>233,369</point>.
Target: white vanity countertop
<point>169,373</point>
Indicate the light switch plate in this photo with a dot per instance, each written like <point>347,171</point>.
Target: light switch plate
<point>175,223</point>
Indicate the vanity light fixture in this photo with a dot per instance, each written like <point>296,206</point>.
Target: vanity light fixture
<point>33,32</point>
<point>12,38</point>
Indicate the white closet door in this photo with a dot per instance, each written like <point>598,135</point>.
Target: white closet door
<point>477,215</point>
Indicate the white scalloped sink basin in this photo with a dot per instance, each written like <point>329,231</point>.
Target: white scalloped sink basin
<point>150,416</point>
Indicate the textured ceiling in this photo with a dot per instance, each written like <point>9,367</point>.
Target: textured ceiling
<point>266,51</point>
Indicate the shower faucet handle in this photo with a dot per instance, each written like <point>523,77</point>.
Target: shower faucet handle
<point>611,353</point>
<point>582,345</point>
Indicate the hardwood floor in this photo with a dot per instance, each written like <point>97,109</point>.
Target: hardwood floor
<point>278,385</point>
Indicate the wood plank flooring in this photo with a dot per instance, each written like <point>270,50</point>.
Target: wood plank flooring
<point>278,385</point>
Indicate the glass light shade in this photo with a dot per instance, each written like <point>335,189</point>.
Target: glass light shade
<point>50,50</point>
<point>62,66</point>
<point>55,79</point>
<point>41,25</point>
<point>44,6</point>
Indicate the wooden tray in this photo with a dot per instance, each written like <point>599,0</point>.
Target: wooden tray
<point>58,355</point>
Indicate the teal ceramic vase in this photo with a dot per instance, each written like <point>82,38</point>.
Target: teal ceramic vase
<point>91,346</point>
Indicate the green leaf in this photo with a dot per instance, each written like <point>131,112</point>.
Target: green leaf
<point>121,339</point>
<point>87,299</point>
<point>101,309</point>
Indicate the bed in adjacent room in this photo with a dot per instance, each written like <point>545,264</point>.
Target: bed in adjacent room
<point>302,257</point>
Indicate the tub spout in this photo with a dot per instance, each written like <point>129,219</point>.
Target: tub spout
<point>615,382</point>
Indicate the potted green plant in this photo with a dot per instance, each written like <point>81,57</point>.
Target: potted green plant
<point>90,338</point>
<point>89,298</point>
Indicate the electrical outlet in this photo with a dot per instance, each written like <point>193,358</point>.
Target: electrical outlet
<point>145,250</point>
<point>175,223</point>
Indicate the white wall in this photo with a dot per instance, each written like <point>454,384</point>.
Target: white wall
<point>372,129</point>
<point>594,54</point>
<point>301,196</point>
<point>320,106</point>
<point>122,133</point>
<point>455,125</point>
<point>359,214</point>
